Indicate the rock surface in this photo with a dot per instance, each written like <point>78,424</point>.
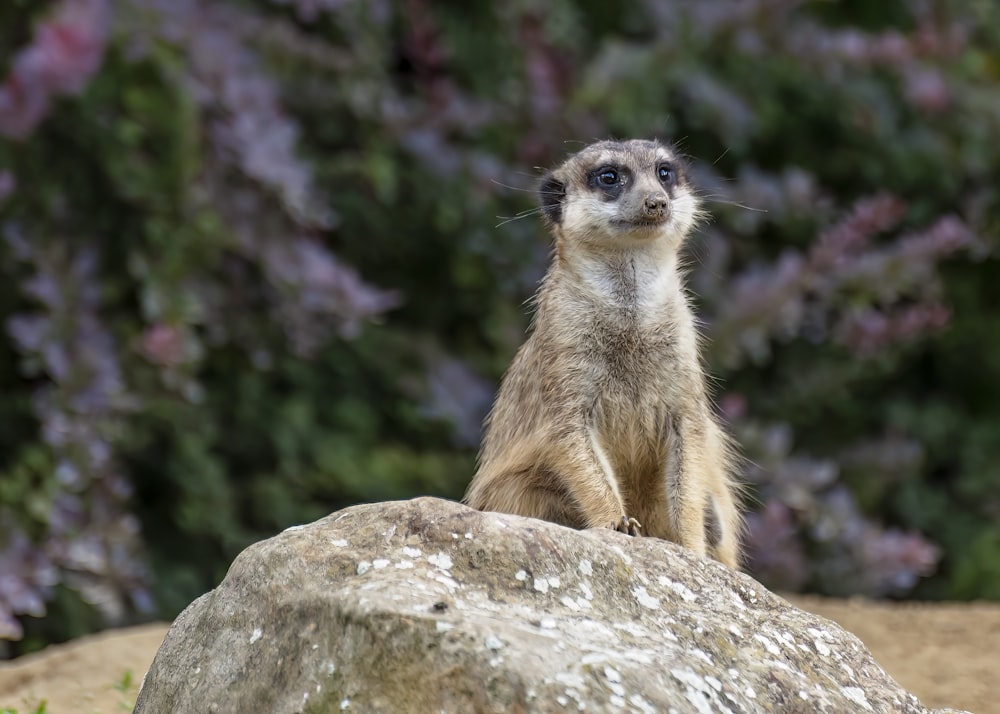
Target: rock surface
<point>428,606</point>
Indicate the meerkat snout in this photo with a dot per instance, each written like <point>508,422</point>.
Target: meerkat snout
<point>655,206</point>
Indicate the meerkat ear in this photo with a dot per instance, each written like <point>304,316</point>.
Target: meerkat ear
<point>552,191</point>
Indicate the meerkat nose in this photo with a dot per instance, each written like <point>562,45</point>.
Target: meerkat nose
<point>655,205</point>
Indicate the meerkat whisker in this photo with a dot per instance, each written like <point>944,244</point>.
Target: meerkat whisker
<point>504,220</point>
<point>727,202</point>
<point>514,188</point>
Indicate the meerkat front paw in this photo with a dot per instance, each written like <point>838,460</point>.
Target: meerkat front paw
<point>627,525</point>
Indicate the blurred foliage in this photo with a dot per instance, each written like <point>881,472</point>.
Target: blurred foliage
<point>253,270</point>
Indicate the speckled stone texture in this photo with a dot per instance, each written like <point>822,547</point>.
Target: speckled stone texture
<point>429,606</point>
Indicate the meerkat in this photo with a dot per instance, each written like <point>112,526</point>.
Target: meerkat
<point>603,419</point>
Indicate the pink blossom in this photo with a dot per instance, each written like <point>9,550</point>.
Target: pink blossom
<point>927,89</point>
<point>164,345</point>
<point>65,53</point>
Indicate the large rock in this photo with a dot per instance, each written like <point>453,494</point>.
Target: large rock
<point>429,606</point>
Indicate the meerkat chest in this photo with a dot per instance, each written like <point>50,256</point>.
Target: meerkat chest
<point>634,383</point>
<point>639,356</point>
<point>630,341</point>
<point>636,324</point>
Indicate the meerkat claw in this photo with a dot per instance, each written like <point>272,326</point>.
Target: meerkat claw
<point>628,525</point>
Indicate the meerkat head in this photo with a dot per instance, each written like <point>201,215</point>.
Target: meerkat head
<point>619,193</point>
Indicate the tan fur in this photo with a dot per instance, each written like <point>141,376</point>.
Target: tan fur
<point>603,419</point>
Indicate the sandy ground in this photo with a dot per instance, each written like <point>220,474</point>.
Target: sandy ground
<point>85,676</point>
<point>948,655</point>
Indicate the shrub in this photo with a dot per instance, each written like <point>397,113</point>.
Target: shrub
<point>253,271</point>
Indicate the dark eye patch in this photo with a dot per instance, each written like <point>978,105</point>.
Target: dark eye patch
<point>609,180</point>
<point>667,174</point>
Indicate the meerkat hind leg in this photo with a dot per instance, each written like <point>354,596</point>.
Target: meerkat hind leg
<point>713,523</point>
<point>536,492</point>
<point>685,489</point>
<point>722,528</point>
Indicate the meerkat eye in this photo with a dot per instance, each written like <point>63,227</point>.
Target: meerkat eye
<point>608,176</point>
<point>666,174</point>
